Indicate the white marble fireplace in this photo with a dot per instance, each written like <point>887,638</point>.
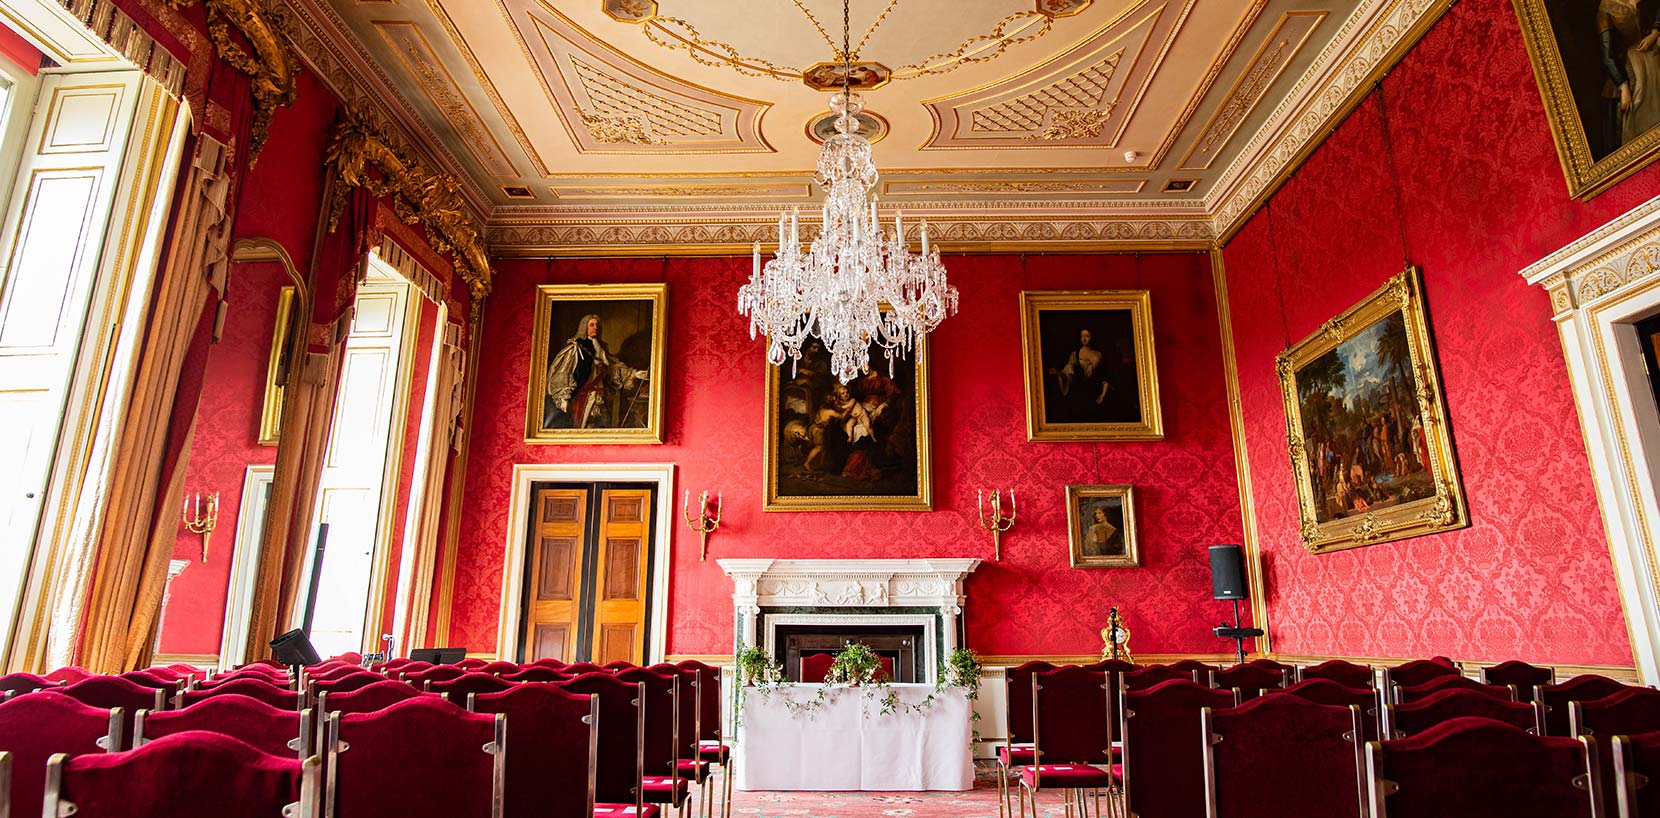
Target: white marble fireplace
<point>769,593</point>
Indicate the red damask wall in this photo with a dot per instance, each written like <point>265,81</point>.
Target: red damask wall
<point>1030,603</point>
<point>1484,197</point>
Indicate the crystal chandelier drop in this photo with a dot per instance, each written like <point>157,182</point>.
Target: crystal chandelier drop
<point>855,286</point>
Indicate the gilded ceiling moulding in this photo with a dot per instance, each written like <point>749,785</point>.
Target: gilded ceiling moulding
<point>268,63</point>
<point>419,196</point>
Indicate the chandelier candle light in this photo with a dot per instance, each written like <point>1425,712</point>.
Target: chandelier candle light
<point>855,285</point>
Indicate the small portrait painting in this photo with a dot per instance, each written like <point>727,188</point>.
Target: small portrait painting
<point>1368,438</point>
<point>1102,526</point>
<point>860,76</point>
<point>1090,370</point>
<point>597,364</point>
<point>1598,65</point>
<point>861,445</point>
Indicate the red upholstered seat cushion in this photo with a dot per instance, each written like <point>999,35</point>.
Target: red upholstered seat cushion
<point>192,774</point>
<point>620,810</point>
<point>714,751</point>
<point>659,789</point>
<point>695,770</point>
<point>1065,776</point>
<point>1017,756</point>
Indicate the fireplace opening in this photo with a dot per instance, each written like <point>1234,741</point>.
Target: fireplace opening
<point>806,651</point>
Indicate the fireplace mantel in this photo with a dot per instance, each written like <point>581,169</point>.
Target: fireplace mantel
<point>772,583</point>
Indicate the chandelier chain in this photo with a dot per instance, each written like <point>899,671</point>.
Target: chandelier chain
<point>845,52</point>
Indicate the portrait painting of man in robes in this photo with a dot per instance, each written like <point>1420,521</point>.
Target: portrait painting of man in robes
<point>1102,531</point>
<point>1598,64</point>
<point>596,365</point>
<point>856,445</point>
<point>1090,373</point>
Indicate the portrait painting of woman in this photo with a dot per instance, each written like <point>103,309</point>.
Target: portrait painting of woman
<point>1090,372</point>
<point>1102,526</point>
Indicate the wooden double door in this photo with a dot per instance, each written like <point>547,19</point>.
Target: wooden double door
<point>587,591</point>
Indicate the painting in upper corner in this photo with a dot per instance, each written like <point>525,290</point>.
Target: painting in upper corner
<point>1090,369</point>
<point>596,364</point>
<point>1597,63</point>
<point>1366,425</point>
<point>858,446</point>
<point>1101,529</point>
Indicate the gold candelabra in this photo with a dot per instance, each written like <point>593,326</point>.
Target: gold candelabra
<point>198,523</point>
<point>996,523</point>
<point>703,522</point>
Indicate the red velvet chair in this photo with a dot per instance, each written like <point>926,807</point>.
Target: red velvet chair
<point>439,673</point>
<point>1636,767</point>
<point>1016,749</point>
<point>1582,688</point>
<point>555,733</point>
<point>1250,679</point>
<point>186,775</point>
<point>549,663</point>
<point>456,689</point>
<point>25,683</point>
<point>620,766</point>
<point>274,730</point>
<point>67,675</point>
<point>159,678</point>
<point>1634,710</point>
<point>1153,675</point>
<point>1347,674</point>
<point>35,727</point>
<point>1412,718</point>
<point>1163,772</point>
<point>711,742</point>
<point>189,671</point>
<point>1480,768</point>
<point>535,673</point>
<point>498,668</point>
<point>366,699</point>
<point>1326,691</point>
<point>1072,737</point>
<point>1405,695</point>
<point>1251,750</point>
<point>1416,672</point>
<point>576,669</point>
<point>112,691</point>
<point>409,666</point>
<point>1521,674</point>
<point>422,756</point>
<point>281,681</point>
<point>661,704</point>
<point>472,663</point>
<point>689,761</point>
<point>390,664</point>
<point>249,687</point>
<point>350,657</point>
<point>619,664</point>
<point>342,684</point>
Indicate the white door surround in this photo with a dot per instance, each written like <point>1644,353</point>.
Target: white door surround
<point>1599,286</point>
<point>513,562</point>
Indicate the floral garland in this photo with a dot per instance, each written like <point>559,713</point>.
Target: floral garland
<point>856,666</point>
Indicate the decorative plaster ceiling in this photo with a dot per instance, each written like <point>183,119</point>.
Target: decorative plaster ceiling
<point>628,123</point>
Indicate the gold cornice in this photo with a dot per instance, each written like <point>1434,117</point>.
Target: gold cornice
<point>268,65</point>
<point>419,196</point>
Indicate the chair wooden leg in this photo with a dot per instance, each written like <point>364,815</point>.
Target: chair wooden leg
<point>726,805</point>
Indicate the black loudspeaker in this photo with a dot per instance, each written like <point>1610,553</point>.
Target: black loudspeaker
<point>294,649</point>
<point>1227,572</point>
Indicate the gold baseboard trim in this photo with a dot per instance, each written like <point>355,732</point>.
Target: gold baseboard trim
<point>1619,673</point>
<point>1012,659</point>
<point>716,659</point>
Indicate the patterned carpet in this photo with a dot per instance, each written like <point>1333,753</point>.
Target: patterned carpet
<point>980,802</point>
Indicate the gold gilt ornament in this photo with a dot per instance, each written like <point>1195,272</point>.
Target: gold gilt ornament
<point>1115,638</point>
<point>419,196</point>
<point>268,65</point>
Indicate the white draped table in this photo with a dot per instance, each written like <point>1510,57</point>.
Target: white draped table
<point>847,743</point>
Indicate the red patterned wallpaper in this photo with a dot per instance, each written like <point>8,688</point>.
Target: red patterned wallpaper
<point>1484,197</point>
<point>225,444</point>
<point>1031,602</point>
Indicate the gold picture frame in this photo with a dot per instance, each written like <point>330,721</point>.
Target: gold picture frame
<point>1366,425</point>
<point>1101,528</point>
<point>276,370</point>
<point>1062,401</point>
<point>806,454</point>
<point>1564,48</point>
<point>610,412</point>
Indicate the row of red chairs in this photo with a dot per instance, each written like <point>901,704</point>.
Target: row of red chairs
<point>1312,731</point>
<point>632,766</point>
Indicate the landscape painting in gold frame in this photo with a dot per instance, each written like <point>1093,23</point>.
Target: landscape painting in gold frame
<point>860,446</point>
<point>1090,369</point>
<point>596,364</point>
<point>1605,130</point>
<point>1101,529</point>
<point>1366,425</point>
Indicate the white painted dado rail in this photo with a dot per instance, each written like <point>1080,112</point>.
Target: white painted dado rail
<point>769,583</point>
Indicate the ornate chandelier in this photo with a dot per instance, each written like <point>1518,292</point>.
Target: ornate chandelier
<point>855,285</point>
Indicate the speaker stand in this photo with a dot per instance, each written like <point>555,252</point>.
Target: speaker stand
<point>1238,641</point>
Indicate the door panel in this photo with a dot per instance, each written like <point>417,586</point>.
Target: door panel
<point>620,611</point>
<point>554,609</point>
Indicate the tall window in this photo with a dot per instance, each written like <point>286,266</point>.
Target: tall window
<point>361,466</point>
